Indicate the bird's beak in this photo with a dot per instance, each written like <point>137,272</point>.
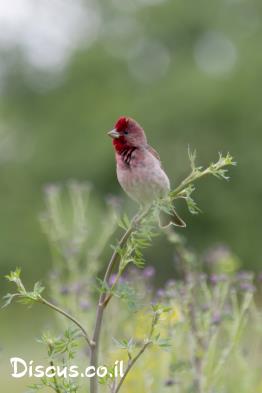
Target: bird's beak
<point>113,134</point>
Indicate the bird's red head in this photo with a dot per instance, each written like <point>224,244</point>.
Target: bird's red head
<point>127,132</point>
<point>121,124</point>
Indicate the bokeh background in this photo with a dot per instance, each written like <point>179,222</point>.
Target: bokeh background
<point>189,72</point>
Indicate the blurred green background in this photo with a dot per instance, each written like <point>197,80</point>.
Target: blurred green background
<point>189,72</point>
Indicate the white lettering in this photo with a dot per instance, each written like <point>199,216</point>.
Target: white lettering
<point>14,362</point>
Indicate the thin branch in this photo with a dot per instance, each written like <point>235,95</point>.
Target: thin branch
<point>197,359</point>
<point>113,386</point>
<point>103,300</point>
<point>237,326</point>
<point>198,173</point>
<point>131,364</point>
<point>74,320</point>
<point>56,386</point>
<point>116,257</point>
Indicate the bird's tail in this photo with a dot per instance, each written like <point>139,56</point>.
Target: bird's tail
<point>171,218</point>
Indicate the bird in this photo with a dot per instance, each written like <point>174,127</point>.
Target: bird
<point>139,169</point>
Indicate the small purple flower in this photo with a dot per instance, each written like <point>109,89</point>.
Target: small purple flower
<point>64,290</point>
<point>160,292</point>
<point>216,318</point>
<point>77,287</point>
<point>216,278</point>
<point>149,272</point>
<point>247,287</point>
<point>113,278</point>
<point>84,304</point>
<point>216,254</point>
<point>245,276</point>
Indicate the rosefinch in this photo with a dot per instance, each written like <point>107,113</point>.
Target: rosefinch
<point>139,169</point>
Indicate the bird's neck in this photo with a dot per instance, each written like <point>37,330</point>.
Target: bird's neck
<point>124,151</point>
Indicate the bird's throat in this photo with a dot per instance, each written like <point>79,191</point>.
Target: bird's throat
<point>124,150</point>
<point>120,144</point>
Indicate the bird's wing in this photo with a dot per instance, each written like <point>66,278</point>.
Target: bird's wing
<point>153,152</point>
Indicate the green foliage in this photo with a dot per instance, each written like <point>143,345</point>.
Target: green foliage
<point>191,204</point>
<point>48,134</point>
<point>71,229</point>
<point>128,295</point>
<point>23,296</point>
<point>140,238</point>
<point>66,344</point>
<point>199,324</point>
<point>61,350</point>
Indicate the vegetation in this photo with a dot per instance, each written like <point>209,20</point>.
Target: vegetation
<point>201,319</point>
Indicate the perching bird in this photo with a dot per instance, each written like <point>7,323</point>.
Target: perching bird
<point>139,169</point>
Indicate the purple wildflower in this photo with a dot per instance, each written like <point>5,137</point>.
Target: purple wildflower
<point>216,318</point>
<point>216,254</point>
<point>216,278</point>
<point>64,290</point>
<point>245,276</point>
<point>113,278</point>
<point>247,287</point>
<point>149,272</point>
<point>160,292</point>
<point>84,304</point>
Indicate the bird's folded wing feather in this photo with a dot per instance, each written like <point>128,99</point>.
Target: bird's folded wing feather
<point>153,152</point>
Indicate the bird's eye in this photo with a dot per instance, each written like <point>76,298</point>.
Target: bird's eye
<point>126,132</point>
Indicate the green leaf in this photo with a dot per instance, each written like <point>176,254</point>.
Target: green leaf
<point>38,288</point>
<point>128,295</point>
<point>192,158</point>
<point>164,343</point>
<point>102,286</point>
<point>14,276</point>
<point>124,344</point>
<point>9,298</point>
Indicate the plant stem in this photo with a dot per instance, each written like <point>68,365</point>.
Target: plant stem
<point>57,389</point>
<point>197,356</point>
<point>131,364</point>
<point>103,300</point>
<point>74,320</point>
<point>197,173</point>
<point>187,181</point>
<point>238,323</point>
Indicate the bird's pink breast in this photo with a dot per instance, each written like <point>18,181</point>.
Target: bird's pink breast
<point>144,180</point>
